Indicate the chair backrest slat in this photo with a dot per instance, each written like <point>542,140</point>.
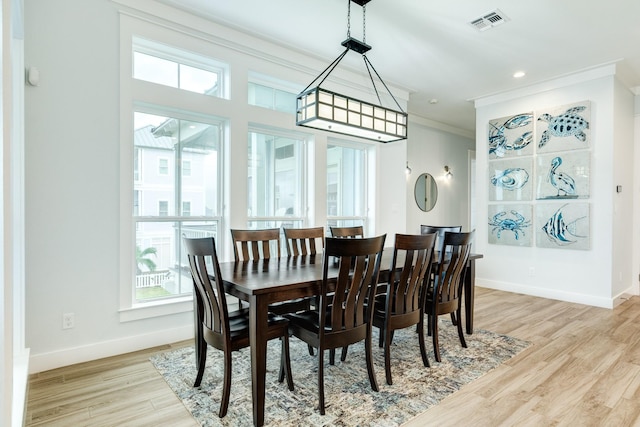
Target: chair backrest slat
<point>404,289</point>
<point>351,232</point>
<point>440,230</point>
<point>255,244</point>
<point>451,272</point>
<point>304,241</point>
<point>355,283</point>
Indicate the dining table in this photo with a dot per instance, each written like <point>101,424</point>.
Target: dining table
<point>262,282</point>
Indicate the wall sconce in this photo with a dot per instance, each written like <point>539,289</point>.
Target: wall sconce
<point>447,172</point>
<point>407,170</point>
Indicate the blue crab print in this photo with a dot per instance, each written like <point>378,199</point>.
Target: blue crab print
<point>516,224</point>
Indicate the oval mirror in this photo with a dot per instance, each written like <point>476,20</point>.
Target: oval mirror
<point>426,192</point>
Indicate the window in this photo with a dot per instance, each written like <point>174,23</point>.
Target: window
<point>166,209</point>
<point>272,93</point>
<point>276,179</point>
<point>186,168</point>
<point>173,133</point>
<point>168,66</point>
<point>346,184</point>
<point>163,208</point>
<point>272,98</point>
<point>163,166</point>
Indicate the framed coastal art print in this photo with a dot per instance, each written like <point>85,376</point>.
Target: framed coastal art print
<point>563,175</point>
<point>564,128</point>
<point>511,179</point>
<point>510,224</point>
<point>511,136</point>
<point>563,225</point>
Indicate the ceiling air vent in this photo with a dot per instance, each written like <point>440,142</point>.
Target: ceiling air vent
<point>488,20</point>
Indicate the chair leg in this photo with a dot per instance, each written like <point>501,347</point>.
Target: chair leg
<point>370,371</point>
<point>387,356</point>
<point>423,348</point>
<point>453,318</point>
<point>201,360</point>
<point>343,356</point>
<point>332,356</point>
<point>460,332</point>
<point>321,381</point>
<point>285,362</point>
<point>310,350</point>
<point>434,333</point>
<point>226,384</point>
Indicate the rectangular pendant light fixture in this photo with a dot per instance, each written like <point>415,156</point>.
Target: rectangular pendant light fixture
<point>330,111</point>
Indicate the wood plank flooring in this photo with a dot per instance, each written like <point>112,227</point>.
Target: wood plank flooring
<point>582,369</point>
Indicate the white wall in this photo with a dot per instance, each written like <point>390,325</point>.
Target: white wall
<point>622,278</point>
<point>428,150</point>
<point>571,275</point>
<point>635,188</point>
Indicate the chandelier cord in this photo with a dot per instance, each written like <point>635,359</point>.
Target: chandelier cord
<point>364,23</point>
<point>366,60</point>
<point>330,68</point>
<point>348,18</point>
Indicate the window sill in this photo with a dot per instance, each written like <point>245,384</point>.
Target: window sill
<point>156,309</point>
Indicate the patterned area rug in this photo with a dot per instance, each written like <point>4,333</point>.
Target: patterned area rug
<point>348,395</point>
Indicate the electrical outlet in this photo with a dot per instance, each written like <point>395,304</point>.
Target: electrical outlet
<point>532,271</point>
<point>68,320</point>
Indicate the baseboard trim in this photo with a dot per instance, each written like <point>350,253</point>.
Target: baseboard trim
<point>547,293</point>
<point>20,387</point>
<point>71,356</point>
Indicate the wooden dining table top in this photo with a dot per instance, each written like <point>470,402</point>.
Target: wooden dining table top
<point>295,276</point>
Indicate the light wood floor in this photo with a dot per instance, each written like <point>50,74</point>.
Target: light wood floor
<point>583,369</point>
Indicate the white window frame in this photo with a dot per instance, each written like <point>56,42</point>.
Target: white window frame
<point>301,218</point>
<point>143,96</point>
<point>364,219</point>
<point>163,164</point>
<point>276,85</point>
<point>186,171</point>
<point>192,59</point>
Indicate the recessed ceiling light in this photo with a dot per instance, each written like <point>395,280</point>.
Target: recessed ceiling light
<point>518,74</point>
<point>433,101</point>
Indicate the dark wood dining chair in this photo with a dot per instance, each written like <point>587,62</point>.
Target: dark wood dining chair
<point>440,230</point>
<point>344,318</point>
<point>352,232</point>
<point>221,329</point>
<point>444,294</point>
<point>304,241</point>
<point>346,233</point>
<point>255,244</point>
<point>402,305</point>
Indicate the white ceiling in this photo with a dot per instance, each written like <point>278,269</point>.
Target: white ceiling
<point>429,47</point>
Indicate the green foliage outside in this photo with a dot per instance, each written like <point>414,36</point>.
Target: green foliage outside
<point>151,292</point>
<point>143,259</point>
